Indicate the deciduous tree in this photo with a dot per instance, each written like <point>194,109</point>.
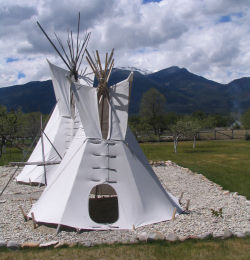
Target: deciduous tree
<point>153,107</point>
<point>245,119</point>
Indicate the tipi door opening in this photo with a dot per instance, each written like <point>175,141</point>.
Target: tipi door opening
<point>103,204</point>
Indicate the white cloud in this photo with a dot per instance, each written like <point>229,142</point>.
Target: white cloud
<point>152,36</point>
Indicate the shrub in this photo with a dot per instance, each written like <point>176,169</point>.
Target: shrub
<point>247,137</point>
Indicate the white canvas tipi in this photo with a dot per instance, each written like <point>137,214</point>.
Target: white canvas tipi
<point>112,166</point>
<point>57,135</point>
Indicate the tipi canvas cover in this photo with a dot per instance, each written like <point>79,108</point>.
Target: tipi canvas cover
<point>58,132</point>
<point>116,161</point>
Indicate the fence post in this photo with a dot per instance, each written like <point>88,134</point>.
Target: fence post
<point>214,134</point>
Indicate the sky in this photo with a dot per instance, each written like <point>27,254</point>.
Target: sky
<point>210,38</point>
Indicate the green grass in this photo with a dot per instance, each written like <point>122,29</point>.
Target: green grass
<point>11,155</point>
<point>224,162</point>
<point>233,248</point>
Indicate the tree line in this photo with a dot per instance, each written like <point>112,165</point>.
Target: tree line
<point>153,119</point>
<point>16,126</point>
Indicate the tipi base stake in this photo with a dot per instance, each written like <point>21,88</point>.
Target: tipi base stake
<point>188,204</point>
<point>133,227</point>
<point>23,213</point>
<point>34,221</point>
<point>31,201</point>
<point>174,212</point>
<point>78,230</point>
<point>181,197</point>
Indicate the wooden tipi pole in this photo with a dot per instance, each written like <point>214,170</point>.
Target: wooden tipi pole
<point>43,155</point>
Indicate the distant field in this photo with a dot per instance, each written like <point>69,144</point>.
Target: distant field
<point>229,249</point>
<point>224,162</point>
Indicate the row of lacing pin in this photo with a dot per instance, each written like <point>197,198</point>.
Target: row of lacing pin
<point>109,156</point>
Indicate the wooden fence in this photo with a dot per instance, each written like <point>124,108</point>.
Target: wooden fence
<point>222,134</point>
<point>210,134</point>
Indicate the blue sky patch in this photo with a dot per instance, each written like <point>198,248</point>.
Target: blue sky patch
<point>9,59</point>
<point>149,1</point>
<point>238,15</point>
<point>228,18</point>
<point>21,75</point>
<point>225,19</point>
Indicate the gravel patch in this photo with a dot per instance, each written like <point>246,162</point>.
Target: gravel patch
<point>204,215</point>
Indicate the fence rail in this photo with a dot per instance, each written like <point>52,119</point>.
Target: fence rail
<point>210,134</point>
<point>222,134</point>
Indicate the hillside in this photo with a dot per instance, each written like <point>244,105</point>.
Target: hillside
<point>185,92</point>
<point>32,96</point>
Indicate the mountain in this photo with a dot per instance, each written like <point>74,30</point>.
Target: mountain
<point>239,91</point>
<point>32,96</point>
<point>185,92</point>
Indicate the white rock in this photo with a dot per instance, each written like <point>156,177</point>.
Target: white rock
<point>235,194</point>
<point>30,244</point>
<point>204,236</point>
<point>156,235</point>
<point>48,244</point>
<point>218,234</point>
<point>61,244</point>
<point>227,233</point>
<point>88,244</point>
<point>247,233</point>
<point>13,245</point>
<point>239,234</point>
<point>142,236</point>
<point>171,237</point>
<point>3,244</point>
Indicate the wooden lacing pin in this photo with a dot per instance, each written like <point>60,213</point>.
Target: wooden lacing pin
<point>34,221</point>
<point>24,214</point>
<point>181,197</point>
<point>188,204</point>
<point>174,212</point>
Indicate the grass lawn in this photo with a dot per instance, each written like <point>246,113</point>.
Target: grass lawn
<point>11,155</point>
<point>224,162</point>
<point>233,248</point>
